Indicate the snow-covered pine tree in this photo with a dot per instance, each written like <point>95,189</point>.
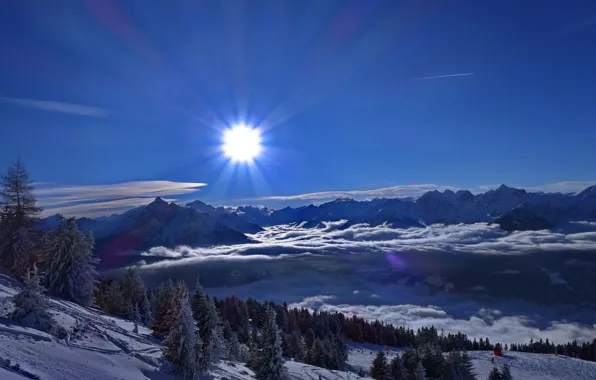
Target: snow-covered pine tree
<point>297,346</point>
<point>379,369</point>
<point>234,353</point>
<point>30,303</point>
<point>465,368</point>
<point>419,373</point>
<point>133,290</point>
<point>182,345</point>
<point>341,349</point>
<point>506,372</point>
<point>432,360</point>
<point>166,309</point>
<point>70,263</point>
<point>494,374</point>
<point>315,355</point>
<point>113,299</point>
<point>145,310</point>
<point>397,370</point>
<point>410,360</point>
<point>458,366</point>
<point>210,328</point>
<point>82,281</point>
<point>270,365</point>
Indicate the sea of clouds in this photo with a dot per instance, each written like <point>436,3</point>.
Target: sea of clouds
<point>348,268</point>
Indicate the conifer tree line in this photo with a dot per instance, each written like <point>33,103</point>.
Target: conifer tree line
<point>58,261</point>
<point>427,362</point>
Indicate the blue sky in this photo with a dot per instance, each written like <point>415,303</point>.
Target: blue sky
<point>97,93</point>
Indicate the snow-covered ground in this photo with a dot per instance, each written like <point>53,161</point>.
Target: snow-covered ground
<point>106,348</point>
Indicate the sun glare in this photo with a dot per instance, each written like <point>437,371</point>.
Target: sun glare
<point>242,143</point>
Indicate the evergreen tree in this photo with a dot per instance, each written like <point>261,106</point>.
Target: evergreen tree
<point>297,346</point>
<point>70,269</point>
<point>113,299</point>
<point>316,355</point>
<point>234,352</point>
<point>410,360</point>
<point>397,370</point>
<point>432,360</point>
<point>419,373</point>
<point>30,303</point>
<point>458,366</point>
<point>494,374</point>
<point>134,292</point>
<point>208,322</point>
<point>18,214</point>
<point>379,369</point>
<point>145,310</point>
<point>270,364</point>
<point>166,309</point>
<point>506,372</point>
<point>182,345</point>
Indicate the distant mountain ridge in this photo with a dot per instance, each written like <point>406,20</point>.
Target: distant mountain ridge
<point>167,224</point>
<point>511,208</point>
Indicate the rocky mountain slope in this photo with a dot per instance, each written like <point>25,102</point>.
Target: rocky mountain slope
<point>198,224</point>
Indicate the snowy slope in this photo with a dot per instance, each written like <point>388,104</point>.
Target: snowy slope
<point>524,366</point>
<point>104,347</point>
<point>100,347</point>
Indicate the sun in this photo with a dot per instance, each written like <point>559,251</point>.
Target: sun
<point>242,143</point>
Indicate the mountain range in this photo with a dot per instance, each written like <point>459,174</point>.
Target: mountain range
<point>197,224</point>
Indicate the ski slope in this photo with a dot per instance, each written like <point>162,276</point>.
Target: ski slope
<point>100,347</point>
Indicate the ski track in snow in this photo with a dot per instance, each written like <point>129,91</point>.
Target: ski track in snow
<point>101,347</point>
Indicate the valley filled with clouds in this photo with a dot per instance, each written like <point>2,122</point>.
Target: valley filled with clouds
<point>474,278</point>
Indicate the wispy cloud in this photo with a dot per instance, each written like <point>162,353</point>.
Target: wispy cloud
<point>563,187</point>
<point>74,109</point>
<point>97,200</point>
<point>388,192</point>
<point>446,76</point>
<point>404,191</point>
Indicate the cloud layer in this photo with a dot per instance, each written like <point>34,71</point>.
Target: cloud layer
<point>379,273</point>
<point>74,109</point>
<point>97,200</point>
<point>335,238</point>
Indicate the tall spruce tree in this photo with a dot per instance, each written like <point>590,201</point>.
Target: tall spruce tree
<point>70,271</point>
<point>270,364</point>
<point>494,374</point>
<point>166,309</point>
<point>182,345</point>
<point>506,372</point>
<point>134,292</point>
<point>397,370</point>
<point>208,323</point>
<point>432,360</point>
<point>419,372</point>
<point>17,216</point>
<point>379,369</point>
